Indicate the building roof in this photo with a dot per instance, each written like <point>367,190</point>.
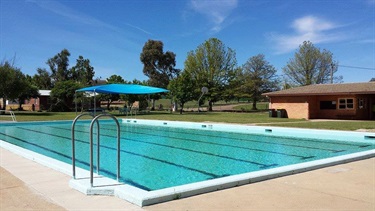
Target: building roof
<point>327,89</point>
<point>44,92</point>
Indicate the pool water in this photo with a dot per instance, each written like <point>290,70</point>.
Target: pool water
<point>157,157</point>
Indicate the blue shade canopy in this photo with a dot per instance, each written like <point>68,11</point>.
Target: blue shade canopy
<point>123,89</point>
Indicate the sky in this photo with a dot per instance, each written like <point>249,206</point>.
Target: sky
<point>111,34</point>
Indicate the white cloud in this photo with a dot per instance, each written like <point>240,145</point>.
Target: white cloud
<point>308,28</point>
<point>216,11</point>
<point>311,24</point>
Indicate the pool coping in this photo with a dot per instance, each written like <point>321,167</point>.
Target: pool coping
<point>106,186</point>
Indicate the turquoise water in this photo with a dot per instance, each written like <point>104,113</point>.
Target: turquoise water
<point>155,157</point>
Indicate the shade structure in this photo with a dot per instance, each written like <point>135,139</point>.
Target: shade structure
<point>123,89</point>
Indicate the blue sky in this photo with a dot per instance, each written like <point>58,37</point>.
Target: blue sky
<point>112,33</point>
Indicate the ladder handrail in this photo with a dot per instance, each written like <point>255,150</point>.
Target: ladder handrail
<point>92,147</point>
<point>12,115</point>
<point>73,140</point>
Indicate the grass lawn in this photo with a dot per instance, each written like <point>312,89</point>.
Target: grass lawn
<point>249,106</point>
<point>260,118</point>
<point>331,125</point>
<point>45,116</point>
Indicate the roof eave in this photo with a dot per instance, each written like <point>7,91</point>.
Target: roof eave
<point>315,94</point>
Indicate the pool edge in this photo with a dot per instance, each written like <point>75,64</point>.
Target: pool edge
<point>143,198</point>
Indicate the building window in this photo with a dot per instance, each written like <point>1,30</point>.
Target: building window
<point>347,103</point>
<point>327,105</point>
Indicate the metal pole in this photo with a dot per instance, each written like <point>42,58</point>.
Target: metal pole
<point>98,148</point>
<point>94,103</point>
<point>92,148</point>
<point>73,151</point>
<point>91,155</point>
<point>73,143</point>
<point>118,150</point>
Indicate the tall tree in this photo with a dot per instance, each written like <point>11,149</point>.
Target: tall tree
<point>212,65</point>
<point>59,66</point>
<point>310,65</point>
<point>157,65</point>
<point>183,89</point>
<point>42,79</point>
<point>83,72</point>
<point>259,76</point>
<point>11,81</point>
<point>62,95</point>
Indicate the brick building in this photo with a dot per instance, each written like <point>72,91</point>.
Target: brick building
<point>40,103</point>
<point>326,101</point>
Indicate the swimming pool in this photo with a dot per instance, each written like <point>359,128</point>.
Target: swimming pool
<point>160,155</point>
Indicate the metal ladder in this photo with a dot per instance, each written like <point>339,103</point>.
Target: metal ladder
<point>95,121</point>
<point>12,115</point>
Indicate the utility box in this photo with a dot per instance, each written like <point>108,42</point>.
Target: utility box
<point>281,113</point>
<point>272,113</point>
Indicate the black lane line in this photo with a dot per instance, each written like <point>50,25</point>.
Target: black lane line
<point>273,143</point>
<point>132,153</point>
<point>255,141</point>
<point>128,181</point>
<point>262,166</point>
<point>252,140</point>
<point>225,145</point>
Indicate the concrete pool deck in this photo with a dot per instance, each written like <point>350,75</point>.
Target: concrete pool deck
<point>25,184</point>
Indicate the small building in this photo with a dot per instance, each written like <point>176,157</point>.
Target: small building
<point>43,102</point>
<point>326,101</point>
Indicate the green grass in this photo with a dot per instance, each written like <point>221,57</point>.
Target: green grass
<point>194,104</point>
<point>45,116</point>
<point>331,125</point>
<point>256,118</point>
<point>228,117</point>
<point>249,106</point>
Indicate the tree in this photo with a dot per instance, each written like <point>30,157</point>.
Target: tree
<point>83,72</point>
<point>59,66</point>
<point>310,65</point>
<point>259,76</point>
<point>157,65</point>
<point>62,95</point>
<point>232,91</point>
<point>28,91</point>
<point>42,79</point>
<point>182,89</point>
<point>11,81</point>
<point>212,65</point>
